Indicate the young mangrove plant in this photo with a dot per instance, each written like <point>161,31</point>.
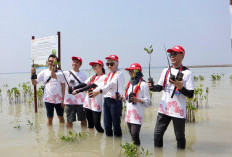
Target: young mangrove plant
<point>195,78</point>
<point>131,150</point>
<point>230,77</point>
<point>191,111</point>
<point>73,137</point>
<point>215,77</point>
<point>18,126</point>
<point>40,95</point>
<point>201,78</point>
<point>29,123</point>
<point>26,90</point>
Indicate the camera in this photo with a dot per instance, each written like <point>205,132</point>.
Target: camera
<point>70,90</point>
<point>130,96</point>
<point>172,77</point>
<point>117,95</point>
<point>178,77</point>
<point>90,93</point>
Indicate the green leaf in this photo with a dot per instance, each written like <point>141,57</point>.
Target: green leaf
<point>54,51</point>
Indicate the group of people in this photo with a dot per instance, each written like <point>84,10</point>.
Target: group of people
<point>85,98</point>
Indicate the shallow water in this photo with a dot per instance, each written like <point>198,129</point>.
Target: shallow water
<point>211,135</point>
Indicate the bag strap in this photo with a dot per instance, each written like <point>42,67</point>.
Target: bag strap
<point>75,77</point>
<point>48,80</point>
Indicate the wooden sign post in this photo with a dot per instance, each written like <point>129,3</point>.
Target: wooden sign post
<point>35,91</point>
<point>41,49</point>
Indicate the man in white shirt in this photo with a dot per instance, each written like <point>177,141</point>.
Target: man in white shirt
<point>53,91</point>
<point>177,84</point>
<point>74,103</point>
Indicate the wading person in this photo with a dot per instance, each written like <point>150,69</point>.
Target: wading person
<point>137,97</point>
<point>173,101</point>
<point>112,92</point>
<point>74,103</point>
<point>93,106</point>
<point>53,91</point>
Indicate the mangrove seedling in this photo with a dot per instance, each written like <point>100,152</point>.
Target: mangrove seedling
<point>73,137</point>
<point>29,123</point>
<point>17,126</point>
<point>131,150</point>
<point>149,51</point>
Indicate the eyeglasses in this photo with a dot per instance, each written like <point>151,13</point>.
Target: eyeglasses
<point>50,61</point>
<point>173,54</point>
<point>109,64</point>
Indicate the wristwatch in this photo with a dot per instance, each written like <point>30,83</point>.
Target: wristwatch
<point>101,91</point>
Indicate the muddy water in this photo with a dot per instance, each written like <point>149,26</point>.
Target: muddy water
<point>211,135</point>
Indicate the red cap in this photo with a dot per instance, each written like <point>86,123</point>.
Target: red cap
<point>96,62</point>
<point>177,49</point>
<point>135,66</point>
<point>78,58</point>
<point>114,57</point>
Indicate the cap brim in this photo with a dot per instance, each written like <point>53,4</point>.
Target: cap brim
<point>91,63</point>
<point>170,50</point>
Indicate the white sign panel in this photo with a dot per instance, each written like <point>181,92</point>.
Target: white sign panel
<point>41,48</point>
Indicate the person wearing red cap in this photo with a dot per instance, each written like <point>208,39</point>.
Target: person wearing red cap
<point>112,92</point>
<point>173,101</point>
<point>137,97</point>
<point>93,106</point>
<point>74,103</point>
<point>53,91</point>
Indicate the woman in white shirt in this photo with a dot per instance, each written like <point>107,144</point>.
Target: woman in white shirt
<point>137,99</point>
<point>93,106</point>
<point>111,92</point>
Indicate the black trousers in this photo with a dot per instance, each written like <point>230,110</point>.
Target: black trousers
<point>134,130</point>
<point>94,120</point>
<point>112,117</point>
<point>161,126</point>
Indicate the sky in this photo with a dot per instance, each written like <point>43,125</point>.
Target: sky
<point>95,29</point>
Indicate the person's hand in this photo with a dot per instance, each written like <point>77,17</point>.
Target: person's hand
<point>178,84</point>
<point>135,100</point>
<point>95,94</point>
<point>62,103</point>
<point>33,70</point>
<point>75,92</point>
<point>149,84</point>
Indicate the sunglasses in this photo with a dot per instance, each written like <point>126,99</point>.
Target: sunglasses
<point>109,64</point>
<point>173,54</point>
<point>50,61</point>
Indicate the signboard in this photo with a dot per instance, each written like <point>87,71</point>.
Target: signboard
<point>41,48</point>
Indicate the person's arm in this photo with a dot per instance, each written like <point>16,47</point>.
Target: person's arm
<point>63,94</point>
<point>186,92</point>
<point>85,88</point>
<point>157,88</point>
<point>146,96</point>
<point>188,88</point>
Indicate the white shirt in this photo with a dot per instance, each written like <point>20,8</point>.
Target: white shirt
<point>176,106</point>
<point>52,90</point>
<point>95,104</point>
<point>113,81</point>
<point>135,112</point>
<point>70,99</point>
